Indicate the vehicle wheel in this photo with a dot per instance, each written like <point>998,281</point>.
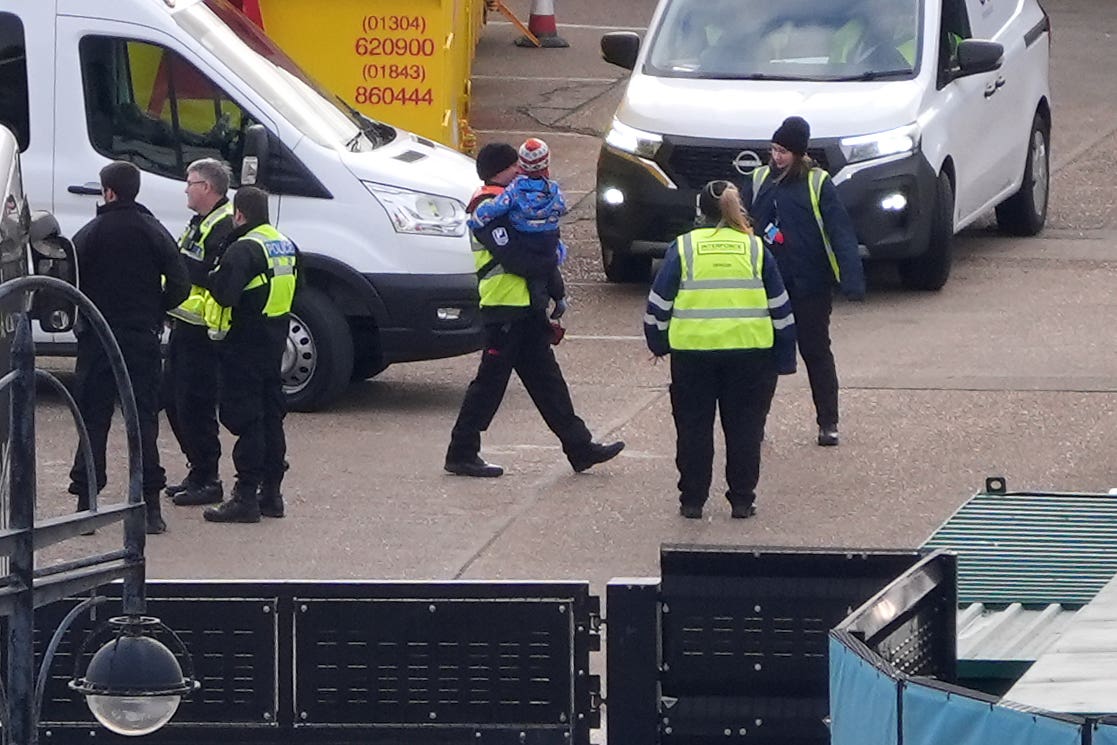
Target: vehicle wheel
<point>1025,212</point>
<point>621,266</point>
<point>318,360</point>
<point>931,270</point>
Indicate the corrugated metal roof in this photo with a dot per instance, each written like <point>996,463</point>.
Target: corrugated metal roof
<point>1013,633</point>
<point>1032,548</point>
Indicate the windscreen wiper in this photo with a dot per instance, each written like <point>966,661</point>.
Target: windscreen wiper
<point>874,75</point>
<point>756,76</point>
<point>366,126</point>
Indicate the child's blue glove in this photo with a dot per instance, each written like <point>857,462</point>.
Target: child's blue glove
<point>561,252</point>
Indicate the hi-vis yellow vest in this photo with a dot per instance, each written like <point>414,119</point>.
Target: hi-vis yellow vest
<point>815,180</point>
<point>494,285</point>
<point>193,307</point>
<point>279,277</point>
<point>721,303</point>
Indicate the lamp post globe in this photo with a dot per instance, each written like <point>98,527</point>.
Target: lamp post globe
<point>133,684</point>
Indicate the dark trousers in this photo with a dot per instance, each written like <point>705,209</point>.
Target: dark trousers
<point>96,394</point>
<point>812,325</point>
<point>522,345</point>
<point>252,407</point>
<point>190,391</point>
<point>739,385</point>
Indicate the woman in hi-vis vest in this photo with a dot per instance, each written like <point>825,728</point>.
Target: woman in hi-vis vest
<point>719,308</point>
<point>796,209</point>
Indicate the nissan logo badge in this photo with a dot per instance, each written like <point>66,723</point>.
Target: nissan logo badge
<point>746,162</point>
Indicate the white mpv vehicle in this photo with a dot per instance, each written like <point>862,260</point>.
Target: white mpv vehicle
<point>378,213</point>
<point>926,113</point>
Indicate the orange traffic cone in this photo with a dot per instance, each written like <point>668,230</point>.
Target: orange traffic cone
<point>542,25</point>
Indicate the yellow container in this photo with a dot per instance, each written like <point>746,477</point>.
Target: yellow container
<point>405,63</point>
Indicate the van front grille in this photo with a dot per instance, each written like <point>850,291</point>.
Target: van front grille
<point>693,166</point>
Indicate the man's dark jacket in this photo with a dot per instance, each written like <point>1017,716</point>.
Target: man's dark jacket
<point>124,255</point>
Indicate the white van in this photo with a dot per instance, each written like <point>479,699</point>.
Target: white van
<point>926,113</point>
<point>378,213</point>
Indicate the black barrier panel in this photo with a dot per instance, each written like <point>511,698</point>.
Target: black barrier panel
<point>232,643</point>
<point>288,663</point>
<point>436,662</point>
<point>912,623</point>
<point>745,637</point>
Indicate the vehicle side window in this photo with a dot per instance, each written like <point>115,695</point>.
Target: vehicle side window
<point>955,28</point>
<point>147,105</point>
<point>13,79</point>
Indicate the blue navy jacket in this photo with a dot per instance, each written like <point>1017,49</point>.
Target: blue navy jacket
<point>661,301</point>
<point>802,256</point>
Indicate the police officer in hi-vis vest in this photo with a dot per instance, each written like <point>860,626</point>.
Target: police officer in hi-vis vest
<point>718,306</point>
<point>517,337</point>
<point>250,297</point>
<point>190,375</point>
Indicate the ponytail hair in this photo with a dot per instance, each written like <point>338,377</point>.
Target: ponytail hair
<point>720,202</point>
<point>733,212</point>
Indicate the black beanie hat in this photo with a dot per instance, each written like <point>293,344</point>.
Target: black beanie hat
<point>794,134</point>
<point>494,158</point>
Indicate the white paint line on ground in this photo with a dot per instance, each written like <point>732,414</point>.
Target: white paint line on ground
<point>533,133</point>
<point>535,78</point>
<point>603,337</point>
<point>590,26</point>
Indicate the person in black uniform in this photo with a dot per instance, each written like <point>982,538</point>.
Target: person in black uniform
<point>191,372</point>
<point>518,337</point>
<point>124,255</point>
<point>796,208</point>
<point>253,287</point>
<point>718,306</point>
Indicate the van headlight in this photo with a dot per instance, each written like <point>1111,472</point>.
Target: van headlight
<point>416,212</point>
<point>632,140</point>
<point>882,144</point>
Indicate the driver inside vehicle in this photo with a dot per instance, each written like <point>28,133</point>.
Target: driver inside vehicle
<point>881,35</point>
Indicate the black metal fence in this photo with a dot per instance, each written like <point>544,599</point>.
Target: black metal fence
<point>396,662</point>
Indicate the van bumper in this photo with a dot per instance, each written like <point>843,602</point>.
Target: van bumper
<point>428,316</point>
<point>653,214</point>
<point>891,205</point>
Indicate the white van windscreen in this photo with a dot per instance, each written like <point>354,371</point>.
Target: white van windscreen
<point>787,40</point>
<point>255,59</point>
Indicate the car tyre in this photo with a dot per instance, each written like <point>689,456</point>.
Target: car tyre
<point>621,266</point>
<point>1025,212</point>
<point>318,359</point>
<point>931,270</point>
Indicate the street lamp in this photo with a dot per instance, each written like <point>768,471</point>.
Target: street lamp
<point>133,684</point>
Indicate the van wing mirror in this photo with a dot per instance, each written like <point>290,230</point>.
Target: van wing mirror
<point>254,168</point>
<point>975,57</point>
<point>52,255</point>
<point>620,48</point>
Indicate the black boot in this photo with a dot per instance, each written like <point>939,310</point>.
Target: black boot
<point>179,488</point>
<point>271,501</point>
<point>155,524</point>
<point>474,466</point>
<point>242,507</point>
<point>208,493</point>
<point>595,453</point>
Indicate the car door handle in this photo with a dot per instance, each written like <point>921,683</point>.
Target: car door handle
<point>90,188</point>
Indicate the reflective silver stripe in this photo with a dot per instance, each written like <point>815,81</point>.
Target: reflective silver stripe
<point>495,271</point>
<point>779,300</point>
<point>724,284</point>
<point>659,302</point>
<point>185,315</point>
<point>782,323</point>
<point>720,313</point>
<point>281,270</point>
<point>688,256</point>
<point>754,255</point>
<point>651,320</point>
